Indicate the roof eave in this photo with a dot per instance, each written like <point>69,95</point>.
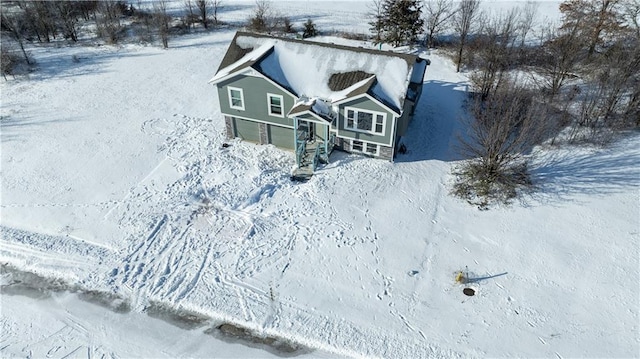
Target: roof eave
<point>310,112</point>
<point>391,109</point>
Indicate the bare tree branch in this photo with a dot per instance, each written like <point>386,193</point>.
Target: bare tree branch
<point>437,14</point>
<point>464,18</point>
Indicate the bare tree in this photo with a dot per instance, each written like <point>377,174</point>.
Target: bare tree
<point>560,55</point>
<point>287,25</point>
<point>8,60</point>
<point>42,19</point>
<point>216,6</point>
<point>593,19</point>
<point>14,24</point>
<point>494,53</point>
<point>464,18</point>
<point>633,105</point>
<point>203,9</point>
<point>632,15</point>
<point>68,13</point>
<point>437,14</point>
<point>606,20</point>
<point>502,129</point>
<point>375,13</point>
<point>609,102</point>
<point>190,15</point>
<point>88,8</point>
<point>108,20</point>
<point>526,19</point>
<point>262,18</point>
<point>161,19</point>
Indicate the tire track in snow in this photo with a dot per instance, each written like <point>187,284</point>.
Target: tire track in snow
<point>171,264</point>
<point>199,273</point>
<point>66,255</point>
<point>223,236</point>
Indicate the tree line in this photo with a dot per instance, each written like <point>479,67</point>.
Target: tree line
<point>114,21</point>
<point>577,82</point>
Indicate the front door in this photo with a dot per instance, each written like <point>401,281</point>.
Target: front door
<point>308,128</point>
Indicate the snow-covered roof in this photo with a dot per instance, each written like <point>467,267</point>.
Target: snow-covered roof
<point>319,70</point>
<point>419,69</point>
<point>249,58</point>
<point>315,106</point>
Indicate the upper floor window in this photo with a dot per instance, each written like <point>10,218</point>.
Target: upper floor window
<point>236,98</point>
<point>275,103</point>
<point>365,121</point>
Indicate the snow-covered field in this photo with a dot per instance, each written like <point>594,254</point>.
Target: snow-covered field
<point>114,180</point>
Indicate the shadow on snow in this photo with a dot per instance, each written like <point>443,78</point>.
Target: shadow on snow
<point>12,128</point>
<point>480,279</point>
<point>606,171</point>
<point>433,132</point>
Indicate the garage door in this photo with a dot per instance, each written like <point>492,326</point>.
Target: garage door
<point>281,136</point>
<point>247,130</point>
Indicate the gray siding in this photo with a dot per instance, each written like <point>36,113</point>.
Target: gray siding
<point>366,103</point>
<point>403,121</point>
<point>281,137</point>
<point>247,130</point>
<point>255,91</point>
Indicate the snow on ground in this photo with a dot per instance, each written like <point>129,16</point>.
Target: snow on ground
<point>62,326</point>
<point>114,179</point>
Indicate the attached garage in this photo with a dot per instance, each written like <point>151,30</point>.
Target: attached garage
<point>247,130</point>
<point>281,137</point>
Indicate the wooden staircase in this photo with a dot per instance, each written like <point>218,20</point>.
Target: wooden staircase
<point>308,155</point>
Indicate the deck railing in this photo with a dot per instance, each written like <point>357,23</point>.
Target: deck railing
<point>316,156</point>
<point>332,142</point>
<point>302,148</point>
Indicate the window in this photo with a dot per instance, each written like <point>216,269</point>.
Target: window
<point>275,105</point>
<point>350,118</point>
<point>372,149</point>
<point>365,121</point>
<point>364,147</point>
<point>236,98</point>
<point>379,124</point>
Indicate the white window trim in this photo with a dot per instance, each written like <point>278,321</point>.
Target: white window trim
<point>364,148</point>
<point>229,89</point>
<point>269,96</point>
<point>373,125</point>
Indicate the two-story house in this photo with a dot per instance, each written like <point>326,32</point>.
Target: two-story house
<point>312,97</point>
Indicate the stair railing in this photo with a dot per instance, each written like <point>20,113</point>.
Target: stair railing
<point>302,147</point>
<point>316,156</point>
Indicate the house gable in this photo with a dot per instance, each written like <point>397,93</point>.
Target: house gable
<point>367,104</point>
<point>255,92</point>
